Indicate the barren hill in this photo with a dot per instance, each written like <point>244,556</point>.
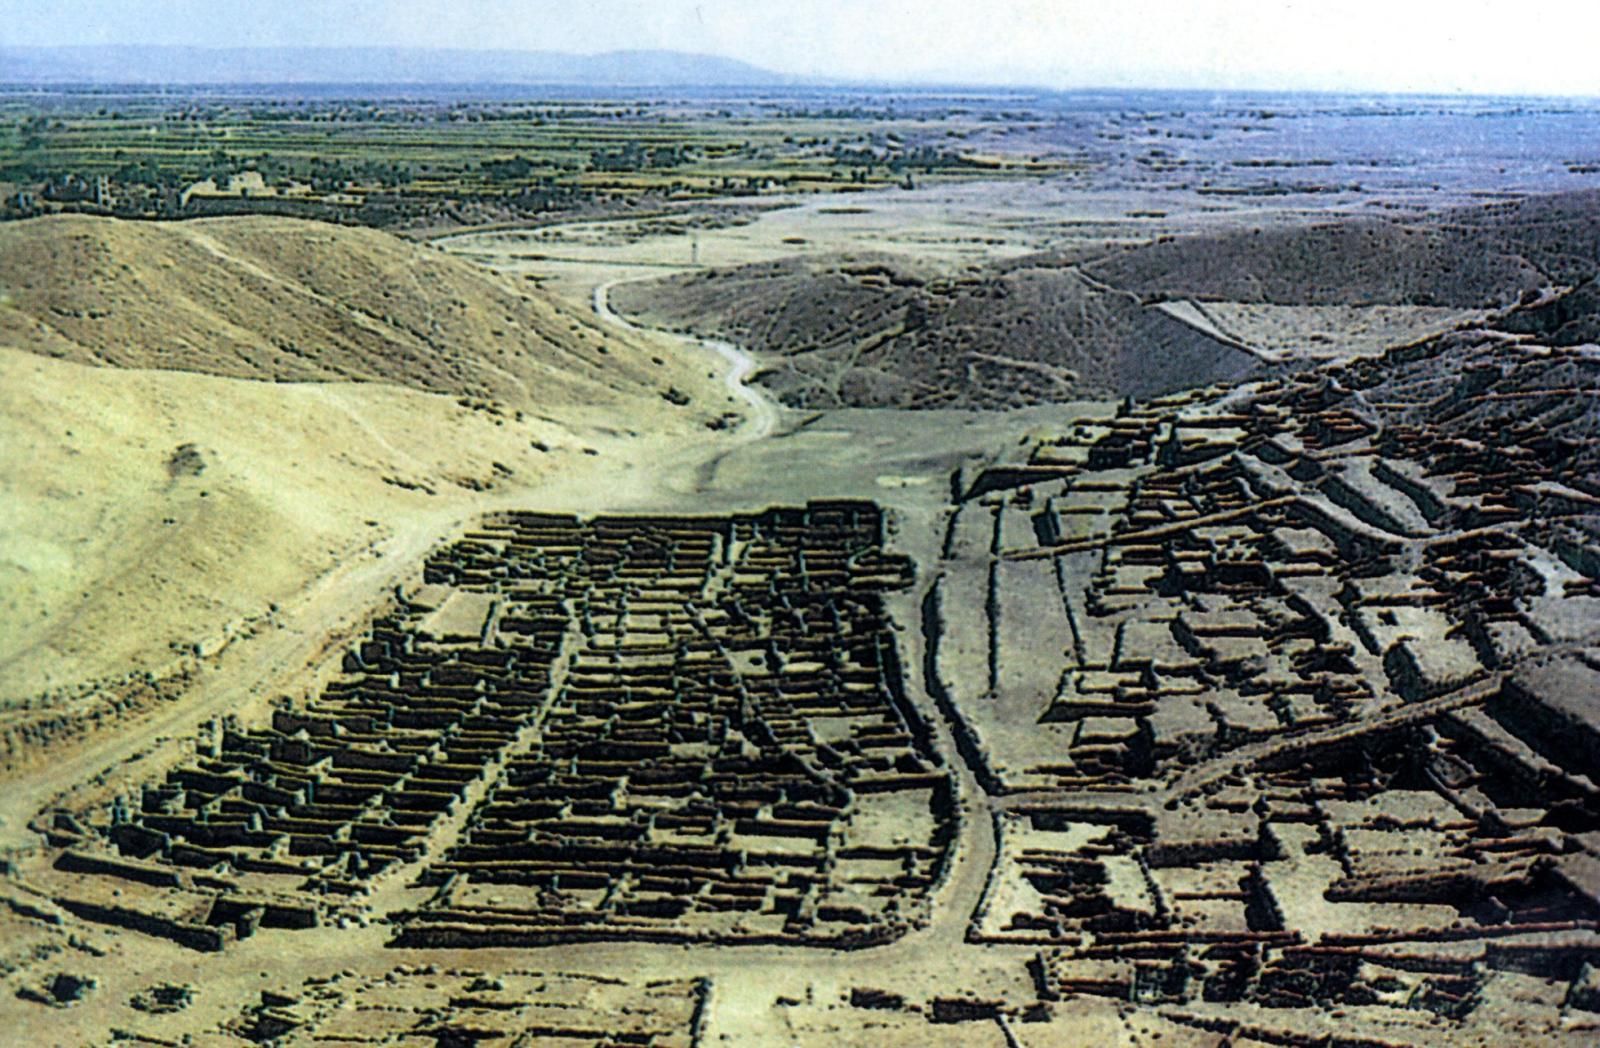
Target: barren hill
<point>1356,263</point>
<point>1467,257</point>
<point>877,332</point>
<point>1141,320</point>
<point>288,300</point>
<point>1558,233</point>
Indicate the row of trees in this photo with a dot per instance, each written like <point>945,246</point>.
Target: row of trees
<point>635,157</point>
<point>924,158</point>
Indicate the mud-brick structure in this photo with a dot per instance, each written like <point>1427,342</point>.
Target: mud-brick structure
<point>426,1006</point>
<point>1312,685</point>
<point>727,754</point>
<point>664,728</point>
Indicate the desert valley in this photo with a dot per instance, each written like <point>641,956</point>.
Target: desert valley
<point>779,566</point>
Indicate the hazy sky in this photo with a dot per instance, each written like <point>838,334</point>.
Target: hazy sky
<point>1398,45</point>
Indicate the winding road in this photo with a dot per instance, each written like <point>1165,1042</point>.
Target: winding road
<point>762,417</point>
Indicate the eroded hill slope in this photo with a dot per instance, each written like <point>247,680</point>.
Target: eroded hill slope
<point>876,332</point>
<point>289,300</point>
<point>1140,320</point>
<point>1464,257</point>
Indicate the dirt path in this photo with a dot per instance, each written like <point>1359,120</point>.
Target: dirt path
<point>763,416</point>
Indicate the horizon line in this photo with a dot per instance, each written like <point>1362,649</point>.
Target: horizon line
<point>835,81</point>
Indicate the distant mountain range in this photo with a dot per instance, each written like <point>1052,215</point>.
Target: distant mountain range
<point>136,64</point>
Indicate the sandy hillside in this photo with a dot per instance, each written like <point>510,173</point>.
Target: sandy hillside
<point>289,300</point>
<point>192,504</point>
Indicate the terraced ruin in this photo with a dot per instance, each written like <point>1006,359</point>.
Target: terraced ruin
<point>1318,730</point>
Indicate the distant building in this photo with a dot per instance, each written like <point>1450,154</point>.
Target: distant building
<point>75,189</point>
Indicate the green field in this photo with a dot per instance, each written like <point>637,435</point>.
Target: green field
<point>390,162</point>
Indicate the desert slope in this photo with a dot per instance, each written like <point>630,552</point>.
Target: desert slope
<point>878,331</point>
<point>289,300</point>
<point>1369,262</point>
<point>210,424</point>
<point>1142,319</point>
<point>196,506</point>
<point>1483,256</point>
